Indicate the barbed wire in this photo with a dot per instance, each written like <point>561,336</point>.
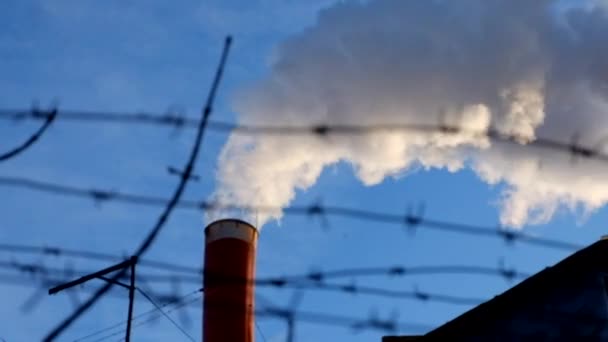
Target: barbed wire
<point>354,289</point>
<point>290,314</point>
<point>89,255</point>
<point>179,121</point>
<point>412,220</point>
<point>170,205</point>
<point>373,323</point>
<point>356,324</point>
<point>272,311</point>
<point>310,281</point>
<point>316,280</point>
<point>393,271</point>
<point>29,142</point>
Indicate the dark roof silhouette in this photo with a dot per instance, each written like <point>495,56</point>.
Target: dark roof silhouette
<point>566,301</point>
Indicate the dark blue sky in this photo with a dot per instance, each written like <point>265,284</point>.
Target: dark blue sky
<point>128,57</point>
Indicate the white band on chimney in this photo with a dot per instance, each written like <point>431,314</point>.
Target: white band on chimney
<point>230,228</point>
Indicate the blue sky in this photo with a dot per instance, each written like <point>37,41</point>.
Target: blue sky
<point>153,55</point>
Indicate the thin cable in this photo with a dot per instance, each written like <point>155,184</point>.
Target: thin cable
<point>159,308</point>
<point>259,330</point>
<point>151,319</point>
<point>139,316</point>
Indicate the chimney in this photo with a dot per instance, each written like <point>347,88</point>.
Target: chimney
<point>228,306</point>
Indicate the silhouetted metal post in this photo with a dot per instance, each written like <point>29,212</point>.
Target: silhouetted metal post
<point>290,328</point>
<point>131,298</point>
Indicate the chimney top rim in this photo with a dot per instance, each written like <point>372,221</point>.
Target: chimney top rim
<point>233,220</point>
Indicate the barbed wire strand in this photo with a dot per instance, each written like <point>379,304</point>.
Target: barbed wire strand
<point>32,139</point>
<point>386,293</point>
<point>180,121</point>
<point>88,255</point>
<point>316,281</point>
<point>163,218</point>
<point>388,326</point>
<point>371,323</point>
<point>410,220</point>
<point>321,285</point>
<point>508,273</point>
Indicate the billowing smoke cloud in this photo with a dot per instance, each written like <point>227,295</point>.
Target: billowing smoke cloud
<point>529,68</point>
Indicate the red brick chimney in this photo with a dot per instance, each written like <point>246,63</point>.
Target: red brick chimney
<point>228,307</point>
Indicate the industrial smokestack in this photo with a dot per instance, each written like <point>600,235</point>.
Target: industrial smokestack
<point>228,307</point>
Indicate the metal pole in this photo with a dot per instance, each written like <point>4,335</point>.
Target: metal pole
<point>290,328</point>
<point>131,298</point>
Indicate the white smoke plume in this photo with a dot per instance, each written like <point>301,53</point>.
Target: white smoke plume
<point>529,68</point>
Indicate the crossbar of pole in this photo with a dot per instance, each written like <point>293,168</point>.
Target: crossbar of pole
<point>88,277</point>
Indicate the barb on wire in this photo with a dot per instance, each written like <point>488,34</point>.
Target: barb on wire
<point>50,117</point>
<point>318,211</point>
<point>413,219</point>
<point>176,172</point>
<point>508,273</point>
<point>151,237</point>
<point>376,323</point>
